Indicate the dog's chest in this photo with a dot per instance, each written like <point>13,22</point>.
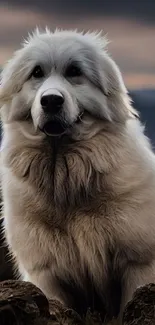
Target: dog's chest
<point>73,258</point>
<point>78,242</point>
<point>70,258</point>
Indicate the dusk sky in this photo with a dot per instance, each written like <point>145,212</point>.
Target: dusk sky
<point>130,26</point>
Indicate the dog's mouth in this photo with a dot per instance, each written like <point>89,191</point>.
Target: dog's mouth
<point>55,128</point>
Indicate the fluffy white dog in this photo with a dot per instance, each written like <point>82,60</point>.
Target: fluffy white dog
<point>78,174</point>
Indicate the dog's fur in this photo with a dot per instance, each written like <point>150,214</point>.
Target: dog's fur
<point>79,210</point>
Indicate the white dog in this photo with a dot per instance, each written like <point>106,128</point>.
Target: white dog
<point>78,174</point>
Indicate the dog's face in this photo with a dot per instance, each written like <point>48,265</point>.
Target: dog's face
<point>62,83</point>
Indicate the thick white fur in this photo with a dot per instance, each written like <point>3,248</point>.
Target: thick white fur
<point>101,216</point>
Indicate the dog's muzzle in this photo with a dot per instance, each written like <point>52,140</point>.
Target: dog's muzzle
<point>52,102</point>
<point>57,127</point>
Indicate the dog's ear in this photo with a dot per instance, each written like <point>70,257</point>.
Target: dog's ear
<point>111,82</point>
<point>114,88</point>
<point>10,80</point>
<point>13,76</point>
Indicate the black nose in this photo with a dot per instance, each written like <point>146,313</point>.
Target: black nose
<point>52,103</point>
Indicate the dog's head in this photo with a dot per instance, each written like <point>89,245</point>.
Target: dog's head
<point>62,83</point>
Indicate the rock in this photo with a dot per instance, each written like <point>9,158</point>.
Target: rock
<point>59,314</point>
<point>22,303</point>
<point>141,309</point>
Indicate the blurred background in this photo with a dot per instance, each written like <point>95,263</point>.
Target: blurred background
<point>129,24</point>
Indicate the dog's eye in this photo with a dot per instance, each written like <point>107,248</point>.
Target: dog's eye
<point>37,72</point>
<point>73,71</point>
